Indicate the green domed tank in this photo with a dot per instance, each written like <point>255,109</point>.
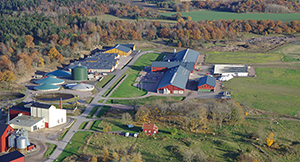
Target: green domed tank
<point>79,73</point>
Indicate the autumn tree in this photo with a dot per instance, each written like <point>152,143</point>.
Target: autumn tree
<point>105,154</point>
<point>54,54</point>
<point>150,34</point>
<point>126,118</point>
<point>41,62</point>
<point>247,27</point>
<point>270,139</point>
<point>6,63</point>
<point>142,114</point>
<point>94,159</point>
<point>8,76</point>
<point>29,43</point>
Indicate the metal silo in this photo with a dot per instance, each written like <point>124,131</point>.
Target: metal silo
<point>21,143</point>
<point>12,141</point>
<point>79,73</point>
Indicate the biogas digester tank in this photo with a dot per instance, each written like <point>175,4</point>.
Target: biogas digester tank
<point>79,73</point>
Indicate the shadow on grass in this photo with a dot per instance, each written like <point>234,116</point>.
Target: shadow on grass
<point>229,154</point>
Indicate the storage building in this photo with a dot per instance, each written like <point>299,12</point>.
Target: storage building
<point>150,128</point>
<point>207,83</point>
<point>174,81</point>
<point>227,69</point>
<point>120,50</point>
<point>50,80</point>
<point>26,122</point>
<point>5,130</point>
<point>46,87</point>
<point>131,46</point>
<point>186,55</point>
<point>58,74</point>
<point>14,156</point>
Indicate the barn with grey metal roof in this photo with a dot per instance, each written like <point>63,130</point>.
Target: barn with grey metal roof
<point>187,55</point>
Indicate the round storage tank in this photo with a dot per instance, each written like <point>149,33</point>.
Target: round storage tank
<point>22,143</point>
<point>79,73</point>
<point>12,141</point>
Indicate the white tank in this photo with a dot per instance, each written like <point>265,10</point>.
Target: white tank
<point>12,141</point>
<point>22,142</point>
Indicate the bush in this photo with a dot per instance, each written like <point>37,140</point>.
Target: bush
<point>173,131</point>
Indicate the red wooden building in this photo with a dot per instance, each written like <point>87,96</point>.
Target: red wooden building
<point>4,133</point>
<point>150,128</point>
<point>14,156</point>
<point>207,83</point>
<point>174,81</point>
<point>15,110</point>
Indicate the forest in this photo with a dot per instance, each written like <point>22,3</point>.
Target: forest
<point>35,33</point>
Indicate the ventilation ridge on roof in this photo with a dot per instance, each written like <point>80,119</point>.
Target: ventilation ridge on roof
<point>185,54</point>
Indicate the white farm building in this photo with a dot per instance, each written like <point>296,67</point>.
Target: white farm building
<point>230,69</point>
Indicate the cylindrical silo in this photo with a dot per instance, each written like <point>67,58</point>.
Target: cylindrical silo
<point>21,143</point>
<point>12,141</point>
<point>79,73</point>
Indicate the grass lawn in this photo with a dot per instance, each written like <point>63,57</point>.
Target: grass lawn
<point>291,52</point>
<point>94,110</point>
<point>105,81</point>
<point>116,125</point>
<point>273,89</point>
<point>226,145</point>
<point>100,101</point>
<point>142,101</point>
<point>83,125</point>
<point>216,15</point>
<point>78,141</point>
<point>113,86</point>
<point>102,111</point>
<point>126,89</point>
<point>51,148</point>
<point>241,57</point>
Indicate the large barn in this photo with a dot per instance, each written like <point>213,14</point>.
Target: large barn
<point>99,62</point>
<point>4,133</point>
<point>121,50</point>
<point>227,69</point>
<point>174,81</point>
<point>36,114</point>
<point>207,83</point>
<point>177,71</point>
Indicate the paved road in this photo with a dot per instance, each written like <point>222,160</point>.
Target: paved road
<point>62,144</point>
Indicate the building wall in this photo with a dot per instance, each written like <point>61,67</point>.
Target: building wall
<point>40,112</point>
<point>14,113</point>
<point>206,86</point>
<point>158,69</point>
<point>57,117</point>
<point>171,88</point>
<point>4,139</point>
<point>21,159</point>
<point>119,52</point>
<point>149,131</point>
<point>39,125</point>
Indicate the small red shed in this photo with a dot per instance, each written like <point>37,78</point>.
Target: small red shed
<point>4,133</point>
<point>150,128</point>
<point>14,156</point>
<point>207,83</point>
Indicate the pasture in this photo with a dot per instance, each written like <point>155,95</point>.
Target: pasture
<point>216,15</point>
<point>273,89</point>
<point>241,57</point>
<point>226,145</point>
<point>290,52</point>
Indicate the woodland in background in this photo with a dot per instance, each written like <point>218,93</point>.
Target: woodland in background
<point>40,32</point>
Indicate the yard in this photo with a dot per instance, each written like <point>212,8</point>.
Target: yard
<point>241,57</point>
<point>126,89</point>
<point>273,89</point>
<point>226,145</point>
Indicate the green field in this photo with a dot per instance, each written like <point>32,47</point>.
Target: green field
<point>273,89</point>
<point>51,148</point>
<point>78,141</point>
<point>241,57</point>
<point>116,125</point>
<point>290,52</point>
<point>104,81</point>
<point>126,89</point>
<point>226,145</point>
<point>108,17</point>
<point>216,15</point>
<point>141,101</point>
<point>94,110</point>
<point>83,125</point>
<point>113,86</point>
<point>102,111</point>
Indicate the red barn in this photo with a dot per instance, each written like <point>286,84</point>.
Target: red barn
<point>15,156</point>
<point>150,129</point>
<point>4,133</point>
<point>207,83</point>
<point>174,81</point>
<point>15,110</point>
